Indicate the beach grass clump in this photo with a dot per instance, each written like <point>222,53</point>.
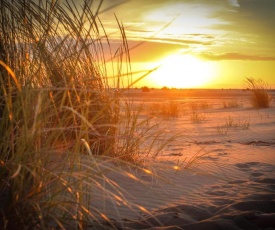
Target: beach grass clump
<point>260,98</point>
<point>231,104</point>
<point>202,105</point>
<point>167,109</point>
<point>60,115</point>
<point>197,116</point>
<point>205,105</point>
<point>221,129</point>
<point>230,123</point>
<point>197,112</point>
<point>52,98</point>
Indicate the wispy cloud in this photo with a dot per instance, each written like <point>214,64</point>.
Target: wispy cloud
<point>181,41</point>
<point>227,29</point>
<point>234,56</point>
<point>234,3</point>
<point>252,17</point>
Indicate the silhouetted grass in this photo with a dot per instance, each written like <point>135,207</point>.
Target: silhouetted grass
<point>59,113</point>
<point>260,98</point>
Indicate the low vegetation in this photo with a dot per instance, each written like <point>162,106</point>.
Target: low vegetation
<point>205,105</point>
<point>166,109</point>
<point>231,104</point>
<point>197,116</point>
<point>230,123</point>
<point>197,111</point>
<point>260,98</point>
<point>145,89</point>
<point>59,112</point>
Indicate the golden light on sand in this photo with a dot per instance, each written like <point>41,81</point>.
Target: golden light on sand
<point>176,167</point>
<point>183,71</point>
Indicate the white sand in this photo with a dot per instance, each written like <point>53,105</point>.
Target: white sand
<point>234,175</point>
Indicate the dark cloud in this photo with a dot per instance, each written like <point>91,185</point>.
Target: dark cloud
<point>234,56</point>
<point>253,17</point>
<point>251,25</point>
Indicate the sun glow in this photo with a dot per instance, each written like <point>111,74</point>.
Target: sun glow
<point>183,71</point>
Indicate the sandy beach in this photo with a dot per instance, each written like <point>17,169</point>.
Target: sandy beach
<point>211,177</point>
<point>137,115</point>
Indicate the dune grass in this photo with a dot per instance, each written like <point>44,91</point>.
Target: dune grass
<point>59,113</point>
<point>231,104</point>
<point>166,109</point>
<point>260,98</point>
<point>231,123</point>
<point>197,111</point>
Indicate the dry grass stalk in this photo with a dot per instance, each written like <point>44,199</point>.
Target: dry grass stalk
<point>260,98</point>
<point>56,106</point>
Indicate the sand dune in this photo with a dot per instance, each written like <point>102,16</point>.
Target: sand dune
<point>233,175</point>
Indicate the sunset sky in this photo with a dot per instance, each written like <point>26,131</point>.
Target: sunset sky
<point>199,43</point>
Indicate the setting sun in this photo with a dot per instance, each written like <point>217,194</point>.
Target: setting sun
<point>183,71</point>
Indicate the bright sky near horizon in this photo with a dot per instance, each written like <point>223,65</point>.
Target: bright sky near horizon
<point>199,43</point>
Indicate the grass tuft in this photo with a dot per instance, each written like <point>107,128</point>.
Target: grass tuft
<point>233,124</point>
<point>167,109</point>
<point>260,98</point>
<point>62,124</point>
<point>231,104</point>
<point>197,111</point>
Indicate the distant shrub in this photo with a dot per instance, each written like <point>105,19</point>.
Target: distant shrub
<point>260,98</point>
<point>171,109</point>
<point>205,105</point>
<point>145,89</point>
<point>168,109</point>
<point>200,106</point>
<point>197,115</point>
<point>231,104</point>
